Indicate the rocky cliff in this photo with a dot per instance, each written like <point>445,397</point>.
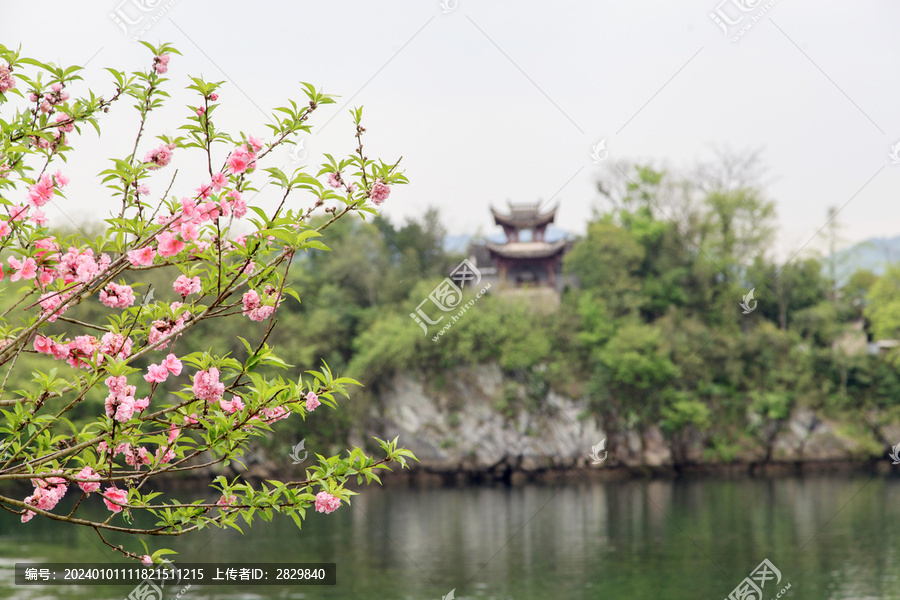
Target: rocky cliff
<point>480,424</point>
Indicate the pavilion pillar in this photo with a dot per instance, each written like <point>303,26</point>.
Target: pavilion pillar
<point>551,272</point>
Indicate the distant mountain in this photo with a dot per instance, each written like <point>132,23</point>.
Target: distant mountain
<point>873,254</point>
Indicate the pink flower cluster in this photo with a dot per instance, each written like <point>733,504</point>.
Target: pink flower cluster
<point>219,181</point>
<point>226,500</point>
<point>164,327</point>
<point>242,158</point>
<point>26,269</point>
<point>379,192</point>
<point>47,494</point>
<point>138,456</point>
<point>327,503</point>
<point>185,286</point>
<point>88,487</point>
<point>120,403</point>
<point>135,456</point>
<point>141,257</point>
<point>113,497</point>
<point>312,401</point>
<point>233,203</point>
<point>159,373</point>
<point>334,180</point>
<point>41,192</point>
<point>17,212</point>
<point>274,414</point>
<point>259,309</point>
<point>115,295</point>
<point>169,244</point>
<point>6,79</point>
<point>56,95</point>
<point>232,406</point>
<point>115,345</point>
<point>160,157</point>
<point>207,385</point>
<point>161,63</point>
<point>83,347</point>
<point>51,302</point>
<point>81,266</point>
<point>81,350</point>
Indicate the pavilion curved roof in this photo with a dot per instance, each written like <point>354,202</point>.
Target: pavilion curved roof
<point>524,216</point>
<point>527,249</point>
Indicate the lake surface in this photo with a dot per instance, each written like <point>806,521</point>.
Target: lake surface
<point>831,537</point>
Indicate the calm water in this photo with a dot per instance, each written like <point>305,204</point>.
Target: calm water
<point>831,537</point>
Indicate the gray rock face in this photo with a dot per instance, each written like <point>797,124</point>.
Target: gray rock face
<point>806,438</point>
<point>477,424</point>
<point>481,422</point>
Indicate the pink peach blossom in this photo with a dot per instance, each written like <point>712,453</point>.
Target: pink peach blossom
<point>207,385</point>
<point>113,497</point>
<point>380,192</point>
<point>189,231</point>
<point>156,374</point>
<point>159,157</point>
<point>169,245</point>
<point>88,473</point>
<point>219,180</point>
<point>334,180</point>
<point>115,295</point>
<point>42,344</point>
<point>38,217</point>
<point>173,432</point>
<point>142,257</point>
<point>233,406</point>
<point>312,401</point>
<point>186,286</point>
<point>173,364</point>
<point>327,503</point>
<point>240,160</point>
<point>166,456</point>
<point>226,500</point>
<point>26,269</point>
<point>255,143</point>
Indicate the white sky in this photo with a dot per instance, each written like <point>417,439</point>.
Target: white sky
<point>504,100</point>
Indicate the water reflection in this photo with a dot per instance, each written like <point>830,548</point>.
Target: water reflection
<point>831,538</point>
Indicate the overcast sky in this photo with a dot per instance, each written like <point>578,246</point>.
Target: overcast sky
<point>496,101</point>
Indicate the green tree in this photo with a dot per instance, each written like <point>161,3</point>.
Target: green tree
<point>883,309</point>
